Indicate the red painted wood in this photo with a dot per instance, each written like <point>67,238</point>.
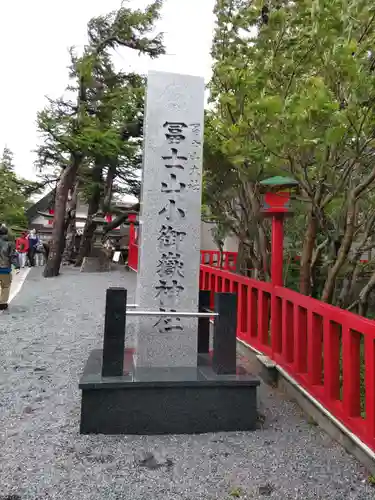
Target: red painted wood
<point>277,259</point>
<point>306,339</point>
<point>276,323</point>
<point>287,331</point>
<point>51,212</point>
<point>263,316</point>
<point>300,339</point>
<point>331,343</point>
<point>279,200</point>
<point>252,317</point>
<point>370,384</point>
<point>351,372</point>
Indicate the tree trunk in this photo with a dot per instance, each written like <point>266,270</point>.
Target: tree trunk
<point>365,295</point>
<point>71,232</point>
<point>121,219</point>
<point>307,253</point>
<point>57,244</point>
<point>109,187</point>
<point>90,224</point>
<point>221,258</point>
<point>329,285</point>
<point>242,257</point>
<point>262,243</point>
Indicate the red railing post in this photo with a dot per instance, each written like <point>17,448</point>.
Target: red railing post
<point>277,265</point>
<point>370,384</point>
<point>351,372</point>
<point>132,218</point>
<point>133,247</point>
<point>277,249</point>
<point>310,334</point>
<point>300,339</point>
<point>276,205</point>
<point>331,349</point>
<point>314,348</point>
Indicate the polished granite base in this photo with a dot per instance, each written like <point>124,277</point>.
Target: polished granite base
<point>166,400</point>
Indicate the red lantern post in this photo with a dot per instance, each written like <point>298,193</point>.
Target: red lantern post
<point>277,206</point>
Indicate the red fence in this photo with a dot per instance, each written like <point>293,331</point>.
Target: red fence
<point>226,260</point>
<point>133,256</point>
<point>223,260</point>
<point>328,351</point>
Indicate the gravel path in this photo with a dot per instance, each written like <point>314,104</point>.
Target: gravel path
<point>44,342</point>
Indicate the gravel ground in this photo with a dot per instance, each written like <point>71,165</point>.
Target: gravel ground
<point>45,339</point>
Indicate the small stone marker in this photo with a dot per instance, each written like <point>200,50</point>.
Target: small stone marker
<point>170,219</point>
<point>114,332</point>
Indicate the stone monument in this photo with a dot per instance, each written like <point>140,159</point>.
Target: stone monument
<point>170,382</point>
<point>169,241</point>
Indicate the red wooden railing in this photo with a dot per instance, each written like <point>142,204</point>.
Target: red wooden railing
<point>133,256</point>
<point>223,260</point>
<point>133,244</point>
<point>330,352</point>
<point>209,257</point>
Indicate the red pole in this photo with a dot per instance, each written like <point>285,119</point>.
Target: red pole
<point>132,219</point>
<point>277,249</point>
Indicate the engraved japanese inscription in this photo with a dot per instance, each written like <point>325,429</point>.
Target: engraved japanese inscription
<point>171,263</point>
<point>169,246</point>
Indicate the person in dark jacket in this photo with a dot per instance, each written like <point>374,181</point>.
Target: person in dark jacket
<point>6,255</point>
<point>33,247</point>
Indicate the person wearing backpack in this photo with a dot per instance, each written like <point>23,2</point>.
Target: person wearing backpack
<point>22,247</point>
<point>6,255</point>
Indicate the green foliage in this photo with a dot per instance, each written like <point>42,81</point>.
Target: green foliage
<point>236,492</point>
<point>101,126</point>
<point>12,197</point>
<point>128,28</point>
<point>293,93</point>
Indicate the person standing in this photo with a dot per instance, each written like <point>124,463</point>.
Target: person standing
<point>6,254</point>
<point>33,246</point>
<point>22,247</point>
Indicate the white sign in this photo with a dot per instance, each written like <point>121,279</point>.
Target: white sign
<point>116,256</point>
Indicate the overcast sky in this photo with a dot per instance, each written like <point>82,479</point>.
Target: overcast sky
<point>35,36</point>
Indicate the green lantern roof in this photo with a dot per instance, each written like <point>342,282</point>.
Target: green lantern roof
<point>279,181</point>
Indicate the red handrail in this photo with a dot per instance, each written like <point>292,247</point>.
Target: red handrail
<point>133,256</point>
<point>227,260</point>
<point>330,352</point>
<point>223,260</point>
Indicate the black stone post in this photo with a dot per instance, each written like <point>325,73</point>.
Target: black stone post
<point>224,355</point>
<point>204,323</point>
<point>114,333</point>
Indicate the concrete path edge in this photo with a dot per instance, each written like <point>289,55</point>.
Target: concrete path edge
<point>310,406</point>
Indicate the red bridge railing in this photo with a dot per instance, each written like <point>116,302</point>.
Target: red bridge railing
<point>222,260</point>
<point>133,256</point>
<point>330,352</point>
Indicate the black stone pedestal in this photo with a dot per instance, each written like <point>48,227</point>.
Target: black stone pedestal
<point>166,400</point>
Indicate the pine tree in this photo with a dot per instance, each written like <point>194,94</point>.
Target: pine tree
<point>12,193</point>
<point>75,138</point>
<point>293,93</point>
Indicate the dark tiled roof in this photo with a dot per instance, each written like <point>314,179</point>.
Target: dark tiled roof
<point>43,205</point>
